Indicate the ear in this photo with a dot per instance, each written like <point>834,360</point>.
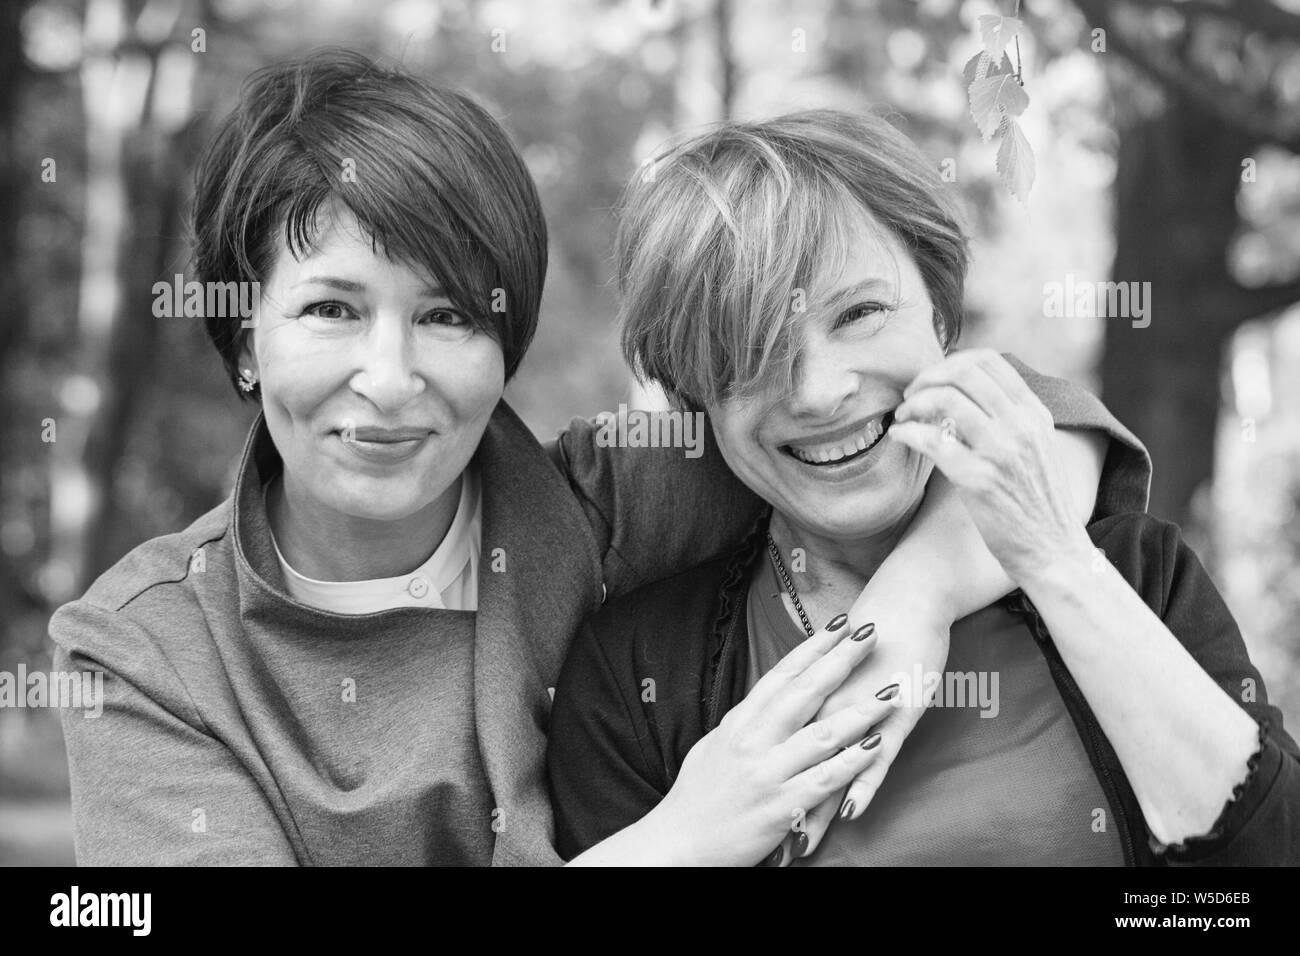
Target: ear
<point>248,358</point>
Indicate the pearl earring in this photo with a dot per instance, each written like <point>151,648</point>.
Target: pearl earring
<point>247,382</point>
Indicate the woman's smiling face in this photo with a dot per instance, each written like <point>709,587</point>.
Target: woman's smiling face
<point>821,454</point>
<point>375,387</point>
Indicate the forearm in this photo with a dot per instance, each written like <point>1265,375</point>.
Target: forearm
<point>1183,742</point>
<point>654,511</point>
<point>943,548</point>
<point>643,843</point>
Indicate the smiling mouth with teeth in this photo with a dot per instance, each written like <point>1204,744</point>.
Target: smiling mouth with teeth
<point>854,446</point>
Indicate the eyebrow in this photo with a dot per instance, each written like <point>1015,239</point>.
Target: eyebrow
<point>864,287</point>
<point>350,285</point>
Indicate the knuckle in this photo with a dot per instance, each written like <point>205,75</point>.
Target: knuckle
<point>821,731</point>
<point>948,396</point>
<point>984,479</point>
<point>787,665</point>
<point>821,774</point>
<point>741,742</point>
<point>1005,448</point>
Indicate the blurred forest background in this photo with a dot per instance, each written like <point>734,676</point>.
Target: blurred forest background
<point>1167,144</point>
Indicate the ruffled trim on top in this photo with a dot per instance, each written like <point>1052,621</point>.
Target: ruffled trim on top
<point>738,569</point>
<point>1192,844</point>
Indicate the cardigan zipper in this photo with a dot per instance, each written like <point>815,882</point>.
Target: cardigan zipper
<point>1070,693</point>
<point>715,691</point>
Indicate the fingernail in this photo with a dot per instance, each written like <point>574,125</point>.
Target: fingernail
<point>846,811</point>
<point>837,622</point>
<point>871,743</point>
<point>800,844</point>
<point>864,632</point>
<point>887,693</point>
<point>773,858</point>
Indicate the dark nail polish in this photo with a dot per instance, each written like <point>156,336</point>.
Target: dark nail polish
<point>846,811</point>
<point>837,622</point>
<point>871,743</point>
<point>864,632</point>
<point>773,858</point>
<point>887,693</point>
<point>800,844</point>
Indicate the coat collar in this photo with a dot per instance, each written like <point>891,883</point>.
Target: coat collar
<point>539,576</point>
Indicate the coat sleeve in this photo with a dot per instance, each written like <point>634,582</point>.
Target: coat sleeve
<point>657,511</point>
<point>1126,473</point>
<point>150,785</point>
<point>601,764</point>
<point>1260,823</point>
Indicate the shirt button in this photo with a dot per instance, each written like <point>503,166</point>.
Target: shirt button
<point>418,588</point>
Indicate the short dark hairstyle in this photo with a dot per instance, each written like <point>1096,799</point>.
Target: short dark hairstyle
<point>437,183</point>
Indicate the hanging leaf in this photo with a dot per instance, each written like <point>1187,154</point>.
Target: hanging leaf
<point>1015,161</point>
<point>996,32</point>
<point>982,65</point>
<point>994,97</point>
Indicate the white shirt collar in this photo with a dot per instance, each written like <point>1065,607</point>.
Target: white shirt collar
<point>448,579</point>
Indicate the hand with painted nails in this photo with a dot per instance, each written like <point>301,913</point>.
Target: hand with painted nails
<point>910,641</point>
<point>754,779</point>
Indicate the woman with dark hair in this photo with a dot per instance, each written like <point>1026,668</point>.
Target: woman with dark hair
<point>1105,713</point>
<point>348,661</point>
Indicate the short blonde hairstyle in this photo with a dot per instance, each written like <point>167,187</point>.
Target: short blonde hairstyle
<point>716,234</point>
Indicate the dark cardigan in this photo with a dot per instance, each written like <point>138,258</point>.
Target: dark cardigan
<point>613,756</point>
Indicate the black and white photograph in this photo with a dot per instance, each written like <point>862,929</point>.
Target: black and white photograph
<point>651,433</point>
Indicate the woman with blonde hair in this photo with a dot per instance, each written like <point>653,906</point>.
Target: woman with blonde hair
<point>1106,712</point>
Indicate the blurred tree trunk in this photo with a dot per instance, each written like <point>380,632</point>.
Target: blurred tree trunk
<point>153,180</point>
<point>1179,168</point>
<point>13,312</point>
<point>12,178</point>
<point>1175,214</point>
<point>131,213</point>
<point>77,496</point>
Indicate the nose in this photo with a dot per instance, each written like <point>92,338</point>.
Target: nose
<point>387,375</point>
<point>824,380</point>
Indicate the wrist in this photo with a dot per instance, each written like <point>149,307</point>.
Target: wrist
<point>1063,567</point>
<point>943,547</point>
<point>907,606</point>
<point>657,839</point>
